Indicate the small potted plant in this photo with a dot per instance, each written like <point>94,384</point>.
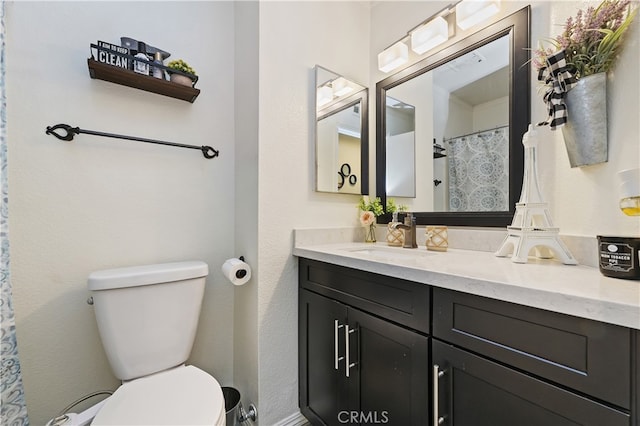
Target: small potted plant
<point>183,68</point>
<point>574,72</point>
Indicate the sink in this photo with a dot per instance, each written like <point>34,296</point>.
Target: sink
<point>390,253</point>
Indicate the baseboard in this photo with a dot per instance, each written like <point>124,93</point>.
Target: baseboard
<point>296,419</point>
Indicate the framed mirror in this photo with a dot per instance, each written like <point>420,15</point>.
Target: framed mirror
<point>449,128</point>
<point>341,134</point>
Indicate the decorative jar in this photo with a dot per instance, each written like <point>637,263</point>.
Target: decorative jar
<point>395,236</point>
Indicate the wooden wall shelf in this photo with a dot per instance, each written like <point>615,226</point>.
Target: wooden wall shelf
<point>101,71</point>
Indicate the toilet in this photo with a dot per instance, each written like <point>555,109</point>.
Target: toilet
<point>147,318</point>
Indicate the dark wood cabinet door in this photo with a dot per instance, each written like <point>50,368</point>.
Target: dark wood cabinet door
<point>322,386</point>
<point>475,391</point>
<point>389,381</point>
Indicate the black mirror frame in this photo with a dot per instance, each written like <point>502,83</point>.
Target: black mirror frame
<point>517,25</point>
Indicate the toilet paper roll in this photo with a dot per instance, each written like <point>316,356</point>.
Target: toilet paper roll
<point>236,271</point>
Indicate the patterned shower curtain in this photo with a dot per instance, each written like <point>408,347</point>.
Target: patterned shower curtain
<point>14,410</point>
<point>479,171</point>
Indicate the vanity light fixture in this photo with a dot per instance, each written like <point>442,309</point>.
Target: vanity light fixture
<point>429,35</point>
<point>472,12</point>
<point>324,95</point>
<point>393,57</point>
<point>341,87</point>
<point>425,36</point>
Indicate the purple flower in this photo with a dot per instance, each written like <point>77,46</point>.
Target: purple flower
<point>593,38</point>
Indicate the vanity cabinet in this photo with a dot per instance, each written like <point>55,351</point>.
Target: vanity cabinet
<point>414,354</point>
<point>356,366</point>
<point>497,363</point>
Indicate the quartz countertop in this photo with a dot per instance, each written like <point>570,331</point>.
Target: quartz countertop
<point>546,284</point>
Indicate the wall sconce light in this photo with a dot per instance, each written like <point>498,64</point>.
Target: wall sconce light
<point>392,57</point>
<point>324,95</point>
<point>472,12</point>
<point>429,35</point>
<point>341,87</point>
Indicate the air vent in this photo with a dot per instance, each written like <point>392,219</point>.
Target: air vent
<point>462,62</point>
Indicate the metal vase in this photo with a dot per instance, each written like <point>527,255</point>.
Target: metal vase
<point>585,133</point>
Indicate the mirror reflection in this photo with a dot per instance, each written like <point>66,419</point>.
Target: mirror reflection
<point>454,119</point>
<point>449,128</point>
<point>341,134</point>
<point>400,140</point>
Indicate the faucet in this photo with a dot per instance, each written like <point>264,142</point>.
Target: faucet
<point>409,228</point>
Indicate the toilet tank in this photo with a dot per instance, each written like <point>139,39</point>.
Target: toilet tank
<point>148,315</point>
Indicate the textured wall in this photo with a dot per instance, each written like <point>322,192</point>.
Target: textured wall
<point>246,339</point>
<point>99,203</point>
<point>295,36</point>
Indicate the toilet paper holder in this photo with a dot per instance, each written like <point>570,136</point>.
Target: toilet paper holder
<point>242,273</point>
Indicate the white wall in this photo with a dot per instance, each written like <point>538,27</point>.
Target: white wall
<point>350,152</point>
<point>295,36</point>
<point>417,93</point>
<point>245,319</point>
<point>490,115</point>
<point>327,150</point>
<point>96,203</point>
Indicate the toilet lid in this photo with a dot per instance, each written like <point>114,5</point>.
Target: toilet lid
<point>184,395</point>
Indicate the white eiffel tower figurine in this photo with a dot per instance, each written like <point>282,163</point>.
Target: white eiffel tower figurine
<point>532,226</point>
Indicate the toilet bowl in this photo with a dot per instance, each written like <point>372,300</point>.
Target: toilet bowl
<point>184,395</point>
<point>147,317</point>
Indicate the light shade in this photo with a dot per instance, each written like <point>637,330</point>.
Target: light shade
<point>392,57</point>
<point>472,12</point>
<point>341,86</point>
<point>324,95</point>
<point>429,35</point>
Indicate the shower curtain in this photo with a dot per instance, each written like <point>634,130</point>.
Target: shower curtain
<point>14,410</point>
<point>479,171</point>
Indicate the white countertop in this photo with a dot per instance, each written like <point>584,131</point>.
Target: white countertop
<point>546,284</point>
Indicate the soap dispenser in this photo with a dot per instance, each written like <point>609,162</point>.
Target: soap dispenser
<point>395,236</point>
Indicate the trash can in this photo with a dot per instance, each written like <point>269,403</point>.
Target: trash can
<point>232,405</point>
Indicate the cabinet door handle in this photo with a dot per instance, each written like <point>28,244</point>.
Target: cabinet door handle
<point>437,419</point>
<point>336,326</point>
<point>347,365</point>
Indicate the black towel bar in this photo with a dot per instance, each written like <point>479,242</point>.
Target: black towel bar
<point>207,151</point>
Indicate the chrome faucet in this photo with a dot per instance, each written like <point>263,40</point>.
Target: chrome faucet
<point>409,228</point>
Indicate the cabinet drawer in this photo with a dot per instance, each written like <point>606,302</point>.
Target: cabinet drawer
<point>585,355</point>
<point>404,302</point>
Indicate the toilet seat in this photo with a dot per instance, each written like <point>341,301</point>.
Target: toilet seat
<point>184,395</point>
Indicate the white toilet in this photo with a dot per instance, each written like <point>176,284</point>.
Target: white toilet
<point>147,317</point>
